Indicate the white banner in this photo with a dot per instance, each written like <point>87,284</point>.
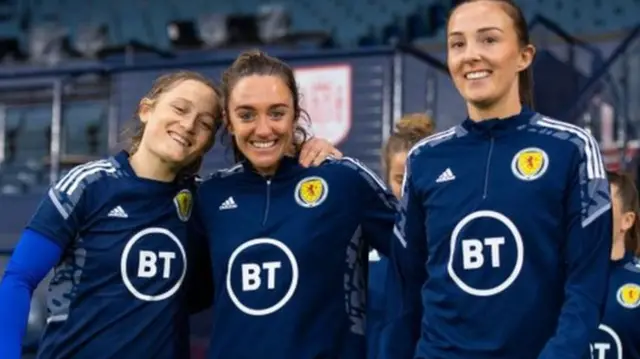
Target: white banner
<point>326,96</point>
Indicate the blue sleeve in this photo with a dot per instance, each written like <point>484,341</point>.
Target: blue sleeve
<point>32,259</point>
<point>407,274</point>
<point>379,208</point>
<point>61,213</point>
<point>199,279</point>
<point>586,255</point>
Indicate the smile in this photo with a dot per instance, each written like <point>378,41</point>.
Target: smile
<point>180,139</point>
<point>477,75</point>
<point>263,144</point>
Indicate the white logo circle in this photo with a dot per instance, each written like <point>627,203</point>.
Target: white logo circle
<point>614,336</point>
<point>125,256</point>
<point>519,249</point>
<point>292,287</point>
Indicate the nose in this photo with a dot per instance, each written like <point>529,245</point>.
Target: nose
<point>471,53</point>
<point>263,127</point>
<point>189,123</point>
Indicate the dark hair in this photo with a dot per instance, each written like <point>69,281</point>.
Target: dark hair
<point>525,77</point>
<point>255,62</point>
<point>628,195</point>
<point>160,86</point>
<point>408,131</point>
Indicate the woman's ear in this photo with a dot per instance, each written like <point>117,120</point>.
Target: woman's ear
<point>144,110</point>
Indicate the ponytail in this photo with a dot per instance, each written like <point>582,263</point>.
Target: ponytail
<point>525,87</point>
<point>632,241</point>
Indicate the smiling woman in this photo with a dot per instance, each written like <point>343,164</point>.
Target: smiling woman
<point>298,261</point>
<point>489,56</point>
<point>262,110</point>
<point>465,252</point>
<point>176,117</point>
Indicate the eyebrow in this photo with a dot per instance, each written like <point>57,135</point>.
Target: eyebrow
<point>207,113</point>
<point>481,30</point>
<point>249,107</point>
<point>182,99</point>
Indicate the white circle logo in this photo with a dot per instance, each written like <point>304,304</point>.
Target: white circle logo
<point>600,349</point>
<point>494,251</point>
<point>292,287</point>
<point>152,264</point>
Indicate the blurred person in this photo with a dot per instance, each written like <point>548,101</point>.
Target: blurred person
<point>116,233</point>
<point>408,131</point>
<point>618,335</point>
<point>503,237</point>
<point>288,244</point>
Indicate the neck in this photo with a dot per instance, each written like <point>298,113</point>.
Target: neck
<point>617,249</point>
<point>267,171</point>
<point>503,108</point>
<point>148,166</point>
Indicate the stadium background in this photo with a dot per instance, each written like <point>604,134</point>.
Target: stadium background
<point>73,70</point>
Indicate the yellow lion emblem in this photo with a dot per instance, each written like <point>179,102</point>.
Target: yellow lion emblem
<point>311,192</point>
<point>184,204</point>
<point>629,295</point>
<point>530,164</point>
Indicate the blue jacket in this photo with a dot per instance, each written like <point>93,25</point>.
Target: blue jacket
<point>119,245</point>
<point>502,246</point>
<point>289,258</point>
<point>618,335</point>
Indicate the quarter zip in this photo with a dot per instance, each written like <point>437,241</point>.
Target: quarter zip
<point>267,204</point>
<point>485,193</point>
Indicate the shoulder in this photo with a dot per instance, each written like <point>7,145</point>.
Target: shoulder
<point>220,177</point>
<point>88,176</point>
<point>568,138</point>
<point>222,174</point>
<point>355,169</point>
<point>437,140</point>
<point>564,133</point>
<point>633,266</point>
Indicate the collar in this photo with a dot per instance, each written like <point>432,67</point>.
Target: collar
<point>627,258</point>
<point>122,158</point>
<point>495,127</point>
<point>288,165</point>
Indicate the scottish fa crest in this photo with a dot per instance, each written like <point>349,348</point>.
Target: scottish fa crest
<point>184,204</point>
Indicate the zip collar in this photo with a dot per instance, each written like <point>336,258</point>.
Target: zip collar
<point>496,127</point>
<point>288,166</point>
<point>122,158</point>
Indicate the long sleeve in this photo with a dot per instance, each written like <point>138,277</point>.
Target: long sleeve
<point>407,274</point>
<point>586,256</point>
<point>32,259</point>
<point>379,207</point>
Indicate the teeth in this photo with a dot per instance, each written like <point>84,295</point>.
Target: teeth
<point>181,140</point>
<point>263,144</point>
<point>477,75</point>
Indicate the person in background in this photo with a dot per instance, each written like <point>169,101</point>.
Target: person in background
<point>502,245</point>
<point>408,131</point>
<point>117,233</point>
<point>618,335</point>
<point>288,244</point>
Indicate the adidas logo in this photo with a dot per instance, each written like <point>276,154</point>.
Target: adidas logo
<point>446,176</point>
<point>230,203</point>
<point>118,212</point>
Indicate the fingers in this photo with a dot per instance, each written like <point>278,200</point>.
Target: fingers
<point>320,157</point>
